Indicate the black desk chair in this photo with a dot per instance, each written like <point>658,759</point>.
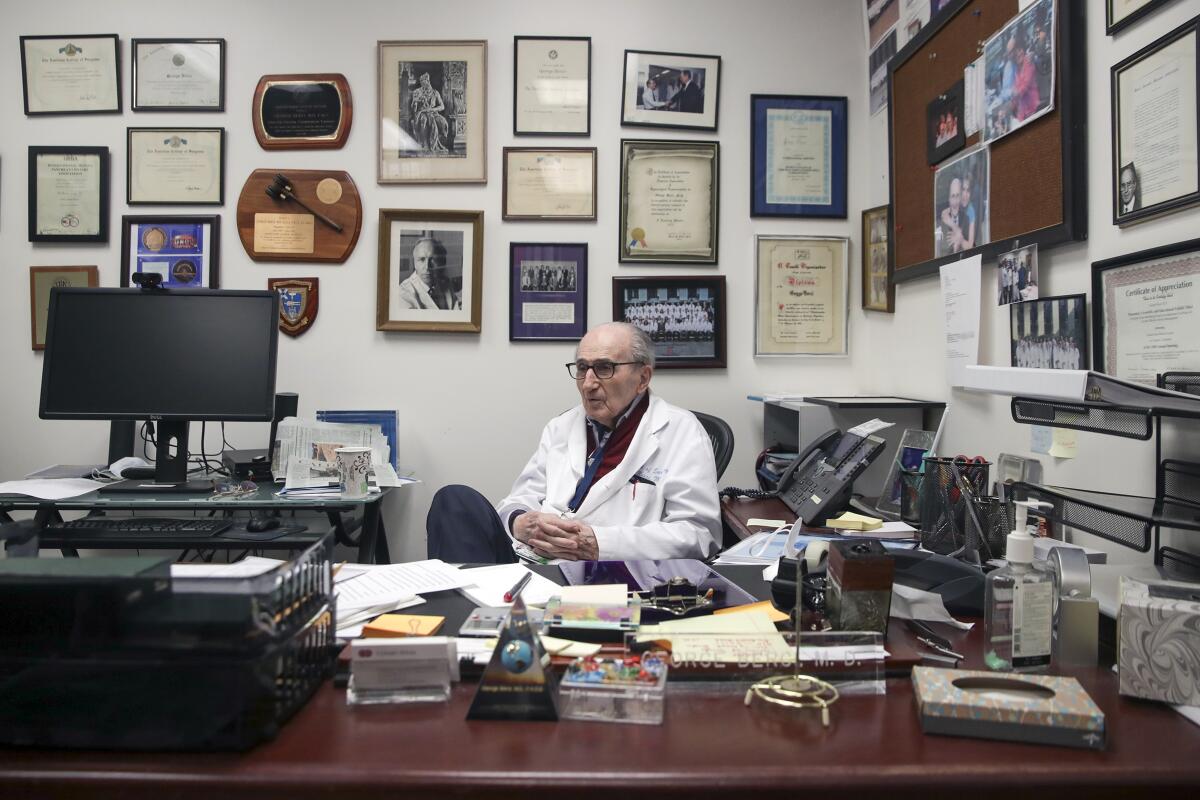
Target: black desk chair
<point>721,435</point>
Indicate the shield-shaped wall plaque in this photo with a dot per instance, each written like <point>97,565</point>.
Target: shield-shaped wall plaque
<point>297,303</point>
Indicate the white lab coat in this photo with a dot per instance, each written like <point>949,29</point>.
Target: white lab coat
<point>676,516</point>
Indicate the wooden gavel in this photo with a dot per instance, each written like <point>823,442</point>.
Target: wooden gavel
<point>280,189</point>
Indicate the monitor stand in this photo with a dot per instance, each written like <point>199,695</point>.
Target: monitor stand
<point>170,471</point>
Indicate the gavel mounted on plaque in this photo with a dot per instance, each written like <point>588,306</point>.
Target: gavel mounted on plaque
<point>281,189</point>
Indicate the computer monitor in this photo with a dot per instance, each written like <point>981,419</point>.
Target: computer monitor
<point>166,355</point>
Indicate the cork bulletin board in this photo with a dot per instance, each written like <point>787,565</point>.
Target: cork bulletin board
<point>1037,187</point>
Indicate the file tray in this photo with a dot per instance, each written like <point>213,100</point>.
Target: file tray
<point>1129,422</point>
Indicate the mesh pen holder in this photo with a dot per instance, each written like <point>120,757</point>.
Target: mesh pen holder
<point>946,502</point>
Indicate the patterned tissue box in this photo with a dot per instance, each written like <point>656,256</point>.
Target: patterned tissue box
<point>1159,641</point>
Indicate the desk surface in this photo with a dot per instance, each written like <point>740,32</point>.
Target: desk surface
<point>265,497</point>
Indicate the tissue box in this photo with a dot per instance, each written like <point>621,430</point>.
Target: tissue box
<point>1159,641</point>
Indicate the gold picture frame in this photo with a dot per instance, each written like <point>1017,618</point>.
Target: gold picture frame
<point>41,281</point>
<point>430,271</point>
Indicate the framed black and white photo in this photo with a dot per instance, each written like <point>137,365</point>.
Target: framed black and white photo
<point>961,203</point>
<point>945,128</point>
<point>798,161</point>
<point>683,315</point>
<point>41,281</point>
<point>71,74</point>
<point>178,75</point>
<point>175,166</point>
<point>1018,71</point>
<point>430,274</point>
<point>68,194</point>
<point>552,86</point>
<point>1120,14</point>
<point>878,291</point>
<point>670,90</point>
<point>549,183</point>
<point>547,291</point>
<point>1155,164</point>
<point>1017,275</point>
<point>670,195</point>
<point>1050,333</point>
<point>801,295</point>
<point>184,251</point>
<point>432,112</point>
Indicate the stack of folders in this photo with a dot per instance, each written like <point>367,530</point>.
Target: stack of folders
<point>365,591</point>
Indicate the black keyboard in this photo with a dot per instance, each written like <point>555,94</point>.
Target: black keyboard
<point>155,526</point>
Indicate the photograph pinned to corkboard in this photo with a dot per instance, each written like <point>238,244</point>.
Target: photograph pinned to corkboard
<point>307,215</point>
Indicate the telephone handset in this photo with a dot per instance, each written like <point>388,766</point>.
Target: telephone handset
<point>819,481</point>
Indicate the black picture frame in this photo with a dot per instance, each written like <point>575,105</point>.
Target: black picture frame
<point>149,239</point>
<point>517,130</point>
<point>1039,314</point>
<point>174,136</point>
<point>687,337</point>
<point>949,105</point>
<point>111,39</point>
<point>1111,27</point>
<point>137,104</point>
<point>671,66</point>
<point>562,281</point>
<point>834,204</point>
<point>101,235</point>
<point>627,252</point>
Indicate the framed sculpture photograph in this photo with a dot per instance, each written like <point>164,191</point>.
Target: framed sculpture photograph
<point>547,291</point>
<point>41,281</point>
<point>175,166</point>
<point>800,295</point>
<point>432,112</point>
<point>1155,163</point>
<point>178,74</point>
<point>71,74</point>
<point>670,196</point>
<point>1120,14</point>
<point>878,291</point>
<point>549,183</point>
<point>68,194</point>
<point>552,86</point>
<point>683,315</point>
<point>798,163</point>
<point>430,274</point>
<point>670,90</point>
<point>184,251</point>
<point>1050,333</point>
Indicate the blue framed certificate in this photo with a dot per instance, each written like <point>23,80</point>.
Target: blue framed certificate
<point>548,296</point>
<point>798,159</point>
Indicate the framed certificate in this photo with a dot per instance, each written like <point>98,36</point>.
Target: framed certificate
<point>683,315</point>
<point>547,291</point>
<point>800,296</point>
<point>555,183</point>
<point>185,251</point>
<point>430,271</point>
<point>68,194</point>
<point>552,86</point>
<point>670,90</point>
<point>798,156</point>
<point>178,75</point>
<point>1155,164</point>
<point>670,194</point>
<point>175,166</point>
<point>1120,14</point>
<point>41,281</point>
<point>71,74</point>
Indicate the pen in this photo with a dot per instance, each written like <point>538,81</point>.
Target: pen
<point>517,587</point>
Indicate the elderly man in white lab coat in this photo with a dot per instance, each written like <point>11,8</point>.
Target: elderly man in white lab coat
<point>624,475</point>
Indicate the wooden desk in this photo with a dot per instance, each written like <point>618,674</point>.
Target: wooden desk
<point>736,511</point>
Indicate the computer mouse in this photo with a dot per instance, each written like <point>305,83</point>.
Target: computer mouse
<point>256,524</point>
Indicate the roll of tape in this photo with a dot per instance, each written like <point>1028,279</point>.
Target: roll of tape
<point>1073,571</point>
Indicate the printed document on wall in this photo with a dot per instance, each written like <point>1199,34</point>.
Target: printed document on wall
<point>960,299</point>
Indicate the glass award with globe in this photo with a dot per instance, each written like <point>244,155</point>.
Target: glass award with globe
<point>517,683</point>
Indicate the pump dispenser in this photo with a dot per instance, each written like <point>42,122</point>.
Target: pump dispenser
<point>1019,605</point>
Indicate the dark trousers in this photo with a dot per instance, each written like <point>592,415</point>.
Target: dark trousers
<point>463,528</point>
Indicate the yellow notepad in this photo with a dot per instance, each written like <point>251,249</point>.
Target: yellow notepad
<point>390,626</point>
<point>854,522</point>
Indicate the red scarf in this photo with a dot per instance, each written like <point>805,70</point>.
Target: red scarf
<point>619,441</point>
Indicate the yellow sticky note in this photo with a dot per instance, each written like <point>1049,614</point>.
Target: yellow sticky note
<point>775,614</point>
<point>390,626</point>
<point>1065,443</point>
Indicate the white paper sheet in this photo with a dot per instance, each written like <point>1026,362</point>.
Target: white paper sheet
<point>390,582</point>
<point>910,603</point>
<point>485,586</point>
<point>52,489</point>
<point>961,287</point>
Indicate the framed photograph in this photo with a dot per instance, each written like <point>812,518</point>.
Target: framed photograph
<point>1017,275</point>
<point>1154,105</point>
<point>302,112</point>
<point>798,156</point>
<point>800,295</point>
<point>960,202</point>
<point>683,315</point>
<point>547,291</point>
<point>945,128</point>
<point>71,74</point>
<point>878,291</point>
<point>549,183</point>
<point>552,86</point>
<point>1120,14</point>
<point>178,74</point>
<point>175,166</point>
<point>41,281</point>
<point>68,194</point>
<point>670,196</point>
<point>185,251</point>
<point>1050,333</point>
<point>432,112</point>
<point>1146,311</point>
<point>1018,71</point>
<point>671,90</point>
<point>430,271</point>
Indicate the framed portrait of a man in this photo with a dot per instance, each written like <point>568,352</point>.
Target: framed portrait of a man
<point>430,271</point>
<point>432,112</point>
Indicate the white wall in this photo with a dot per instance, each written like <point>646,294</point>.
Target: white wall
<point>471,406</point>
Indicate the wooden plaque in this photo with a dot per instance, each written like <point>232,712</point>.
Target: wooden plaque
<point>302,112</point>
<point>286,231</point>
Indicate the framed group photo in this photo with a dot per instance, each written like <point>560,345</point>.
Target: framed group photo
<point>175,166</point>
<point>1050,333</point>
<point>178,74</point>
<point>878,291</point>
<point>41,281</point>
<point>547,291</point>
<point>683,315</point>
<point>432,112</point>
<point>552,86</point>
<point>549,183</point>
<point>68,194</point>
<point>71,74</point>
<point>184,251</point>
<point>670,90</point>
<point>670,195</point>
<point>800,295</point>
<point>798,161</point>
<point>430,274</point>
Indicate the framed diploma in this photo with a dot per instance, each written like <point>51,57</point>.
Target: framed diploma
<point>878,291</point>
<point>670,90</point>
<point>552,86</point>
<point>800,296</point>
<point>550,183</point>
<point>175,166</point>
<point>68,194</point>
<point>178,74</point>
<point>41,281</point>
<point>547,291</point>
<point>1146,313</point>
<point>185,251</point>
<point>311,112</point>
<point>430,271</point>
<point>798,156</point>
<point>71,74</point>
<point>683,315</point>
<point>432,112</point>
<point>1120,14</point>
<point>1155,166</point>
<point>670,195</point>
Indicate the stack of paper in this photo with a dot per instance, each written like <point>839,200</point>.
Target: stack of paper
<point>378,589</point>
<point>486,586</point>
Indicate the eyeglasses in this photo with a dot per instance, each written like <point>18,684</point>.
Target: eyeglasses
<point>231,490</point>
<point>601,369</point>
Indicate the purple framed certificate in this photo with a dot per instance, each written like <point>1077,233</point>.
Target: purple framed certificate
<point>548,295</point>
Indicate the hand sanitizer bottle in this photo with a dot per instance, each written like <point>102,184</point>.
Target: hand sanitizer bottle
<point>1019,606</point>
